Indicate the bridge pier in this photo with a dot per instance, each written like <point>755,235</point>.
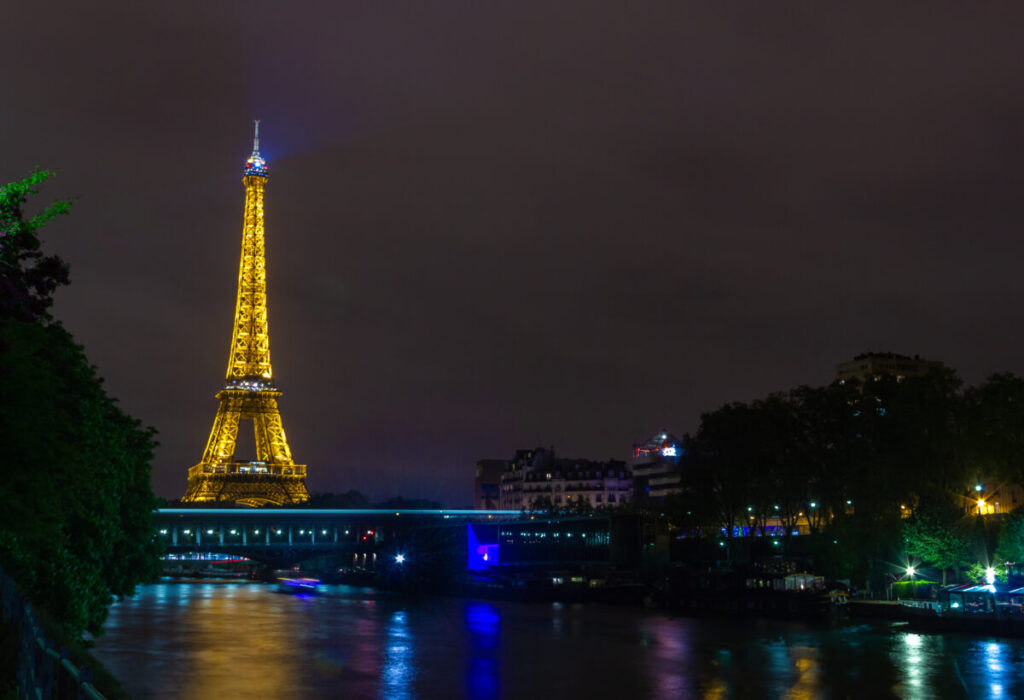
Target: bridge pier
<point>245,532</point>
<point>221,535</point>
<point>174,535</point>
<point>289,534</point>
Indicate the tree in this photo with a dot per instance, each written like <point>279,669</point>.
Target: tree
<point>934,532</point>
<point>1010,545</point>
<point>27,277</point>
<point>75,500</point>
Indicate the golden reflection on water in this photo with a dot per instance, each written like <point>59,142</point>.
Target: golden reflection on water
<point>238,654</point>
<point>213,641</point>
<point>808,668</point>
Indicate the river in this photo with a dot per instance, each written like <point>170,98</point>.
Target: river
<point>221,641</point>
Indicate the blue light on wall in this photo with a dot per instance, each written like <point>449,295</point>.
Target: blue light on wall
<point>480,555</point>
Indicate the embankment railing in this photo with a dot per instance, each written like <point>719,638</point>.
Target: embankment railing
<point>44,672</point>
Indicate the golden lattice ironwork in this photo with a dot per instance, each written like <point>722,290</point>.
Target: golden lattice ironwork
<point>249,395</point>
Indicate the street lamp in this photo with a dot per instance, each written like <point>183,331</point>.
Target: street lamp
<point>910,571</point>
<point>399,558</point>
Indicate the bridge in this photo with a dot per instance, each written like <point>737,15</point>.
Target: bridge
<point>281,537</point>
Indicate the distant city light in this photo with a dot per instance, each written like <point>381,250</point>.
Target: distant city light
<point>814,504</point>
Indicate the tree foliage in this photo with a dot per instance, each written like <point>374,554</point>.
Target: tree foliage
<point>936,534</point>
<point>848,460</point>
<point>1010,545</point>
<point>75,499</point>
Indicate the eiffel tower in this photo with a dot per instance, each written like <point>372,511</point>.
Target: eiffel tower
<point>249,393</point>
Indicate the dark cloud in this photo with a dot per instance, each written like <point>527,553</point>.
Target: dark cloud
<point>492,226</point>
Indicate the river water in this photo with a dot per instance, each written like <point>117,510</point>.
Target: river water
<point>221,641</point>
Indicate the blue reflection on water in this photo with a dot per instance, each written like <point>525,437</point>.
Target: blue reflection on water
<point>483,627</point>
<point>399,667</point>
<point>994,665</point>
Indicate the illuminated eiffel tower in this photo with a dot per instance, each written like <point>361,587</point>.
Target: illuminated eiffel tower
<point>249,394</point>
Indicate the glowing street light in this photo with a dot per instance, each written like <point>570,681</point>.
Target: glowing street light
<point>990,575</point>
<point>399,558</point>
<point>910,571</point>
<point>979,488</point>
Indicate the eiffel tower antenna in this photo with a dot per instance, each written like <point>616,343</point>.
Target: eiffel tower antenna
<point>249,393</point>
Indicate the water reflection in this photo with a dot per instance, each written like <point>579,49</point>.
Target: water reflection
<point>483,626</point>
<point>668,662</point>
<point>237,640</point>
<point>993,663</point>
<point>399,668</point>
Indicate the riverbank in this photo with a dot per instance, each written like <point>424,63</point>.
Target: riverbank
<point>927,618</point>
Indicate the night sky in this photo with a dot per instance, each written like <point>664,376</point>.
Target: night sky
<point>503,224</point>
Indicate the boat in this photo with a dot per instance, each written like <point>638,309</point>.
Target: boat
<point>298,585</point>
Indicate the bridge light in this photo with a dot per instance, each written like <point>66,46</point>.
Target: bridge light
<point>163,532</point>
<point>187,532</point>
<point>323,532</point>
<point>257,532</point>
<point>399,558</point>
<point>209,532</point>
<point>302,532</point>
<point>346,532</point>
<point>279,531</point>
<point>234,532</point>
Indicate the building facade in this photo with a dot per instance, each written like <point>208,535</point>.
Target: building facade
<point>537,479</point>
<point>874,365</point>
<point>656,468</point>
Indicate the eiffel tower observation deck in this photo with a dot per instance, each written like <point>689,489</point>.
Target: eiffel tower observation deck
<point>249,394</point>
